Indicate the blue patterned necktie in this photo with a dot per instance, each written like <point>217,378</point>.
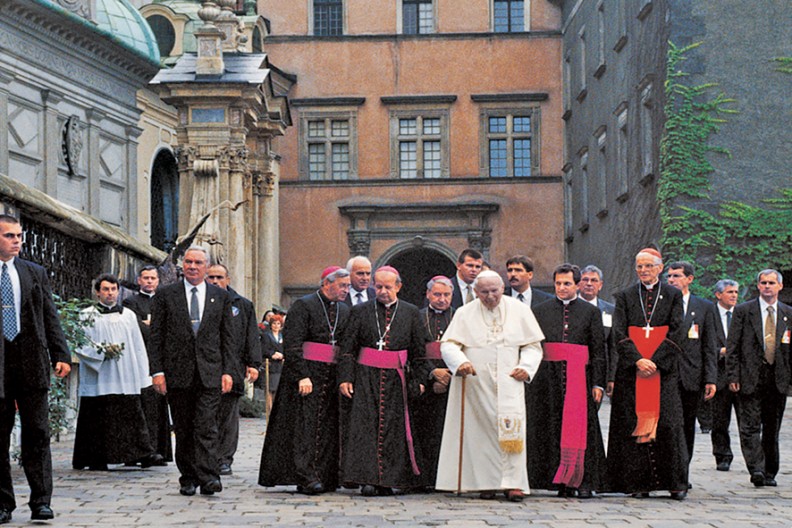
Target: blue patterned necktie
<point>195,314</point>
<point>10,330</point>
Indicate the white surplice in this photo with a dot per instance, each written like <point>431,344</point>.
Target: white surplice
<point>495,342</point>
<point>126,375</point>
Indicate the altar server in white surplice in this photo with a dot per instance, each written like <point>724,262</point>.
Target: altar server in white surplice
<point>493,342</point>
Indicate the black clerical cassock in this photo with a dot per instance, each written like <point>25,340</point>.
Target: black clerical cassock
<point>380,448</point>
<point>577,323</point>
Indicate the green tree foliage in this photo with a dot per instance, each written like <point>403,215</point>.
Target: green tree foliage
<point>730,239</point>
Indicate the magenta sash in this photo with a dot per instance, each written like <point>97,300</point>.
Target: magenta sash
<point>433,351</point>
<point>319,352</point>
<point>574,424</point>
<point>393,360</point>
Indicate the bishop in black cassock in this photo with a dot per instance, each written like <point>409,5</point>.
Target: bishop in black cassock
<point>302,442</point>
<point>381,452</point>
<point>659,461</point>
<point>429,409</point>
<point>566,319</point>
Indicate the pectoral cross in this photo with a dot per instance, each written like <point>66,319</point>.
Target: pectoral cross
<point>332,342</point>
<point>381,343</point>
<point>647,329</point>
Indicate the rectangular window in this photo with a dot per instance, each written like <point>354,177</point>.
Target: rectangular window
<point>509,137</point>
<point>508,16</point>
<point>328,17</point>
<point>421,142</point>
<point>418,16</point>
<point>647,133</point>
<point>328,147</point>
<point>621,151</point>
<point>599,189</point>
<point>600,40</point>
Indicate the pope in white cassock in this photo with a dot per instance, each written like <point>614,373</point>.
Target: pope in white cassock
<point>493,342</point>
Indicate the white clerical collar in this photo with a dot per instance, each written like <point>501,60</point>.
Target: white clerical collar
<point>146,293</point>
<point>435,310</point>
<point>389,304</point>
<point>566,302</point>
<point>109,307</point>
<point>651,286</point>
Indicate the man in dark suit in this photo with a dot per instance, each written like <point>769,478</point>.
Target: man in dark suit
<point>191,359</point>
<point>155,405</point>
<point>758,369</point>
<point>33,341</point>
<point>247,356</point>
<point>591,282</point>
<point>519,274</point>
<point>698,363</point>
<point>469,265</point>
<point>726,292</point>
<point>360,291</point>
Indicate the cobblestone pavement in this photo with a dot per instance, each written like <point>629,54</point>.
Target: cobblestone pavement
<point>134,497</point>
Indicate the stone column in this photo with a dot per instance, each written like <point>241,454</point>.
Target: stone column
<point>5,81</point>
<point>132,134</point>
<point>53,135</point>
<point>91,149</point>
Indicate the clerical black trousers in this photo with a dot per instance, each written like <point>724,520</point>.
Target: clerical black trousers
<point>760,421</point>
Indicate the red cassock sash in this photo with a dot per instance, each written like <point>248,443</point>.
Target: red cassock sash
<point>395,360</point>
<point>647,390</point>
<point>321,352</point>
<point>574,421</point>
<point>433,351</point>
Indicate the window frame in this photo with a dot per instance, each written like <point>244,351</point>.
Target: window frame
<point>313,18</point>
<point>306,140</point>
<point>526,20</point>
<point>396,138</point>
<point>402,5</point>
<point>485,136</point>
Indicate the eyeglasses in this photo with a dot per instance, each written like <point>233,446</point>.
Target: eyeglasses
<point>640,267</point>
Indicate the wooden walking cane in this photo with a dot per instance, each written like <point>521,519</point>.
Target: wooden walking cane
<point>461,437</point>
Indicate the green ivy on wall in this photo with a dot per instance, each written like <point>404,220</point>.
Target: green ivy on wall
<point>730,239</point>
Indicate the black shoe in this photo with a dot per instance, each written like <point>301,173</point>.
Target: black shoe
<point>640,495</point>
<point>487,495</point>
<point>5,516</point>
<point>368,491</point>
<point>382,491</point>
<point>679,495</point>
<point>723,466</point>
<point>41,512</point>
<point>188,490</point>
<point>770,481</point>
<point>314,488</point>
<point>690,486</point>
<point>758,479</point>
<point>98,467</point>
<point>211,487</point>
<point>154,459</point>
<point>225,469</point>
<point>585,494</point>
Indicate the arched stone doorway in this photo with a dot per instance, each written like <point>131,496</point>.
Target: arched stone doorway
<point>164,201</point>
<point>416,266</point>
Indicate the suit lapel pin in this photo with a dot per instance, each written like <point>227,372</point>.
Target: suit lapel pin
<point>659,296</point>
<point>211,300</point>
